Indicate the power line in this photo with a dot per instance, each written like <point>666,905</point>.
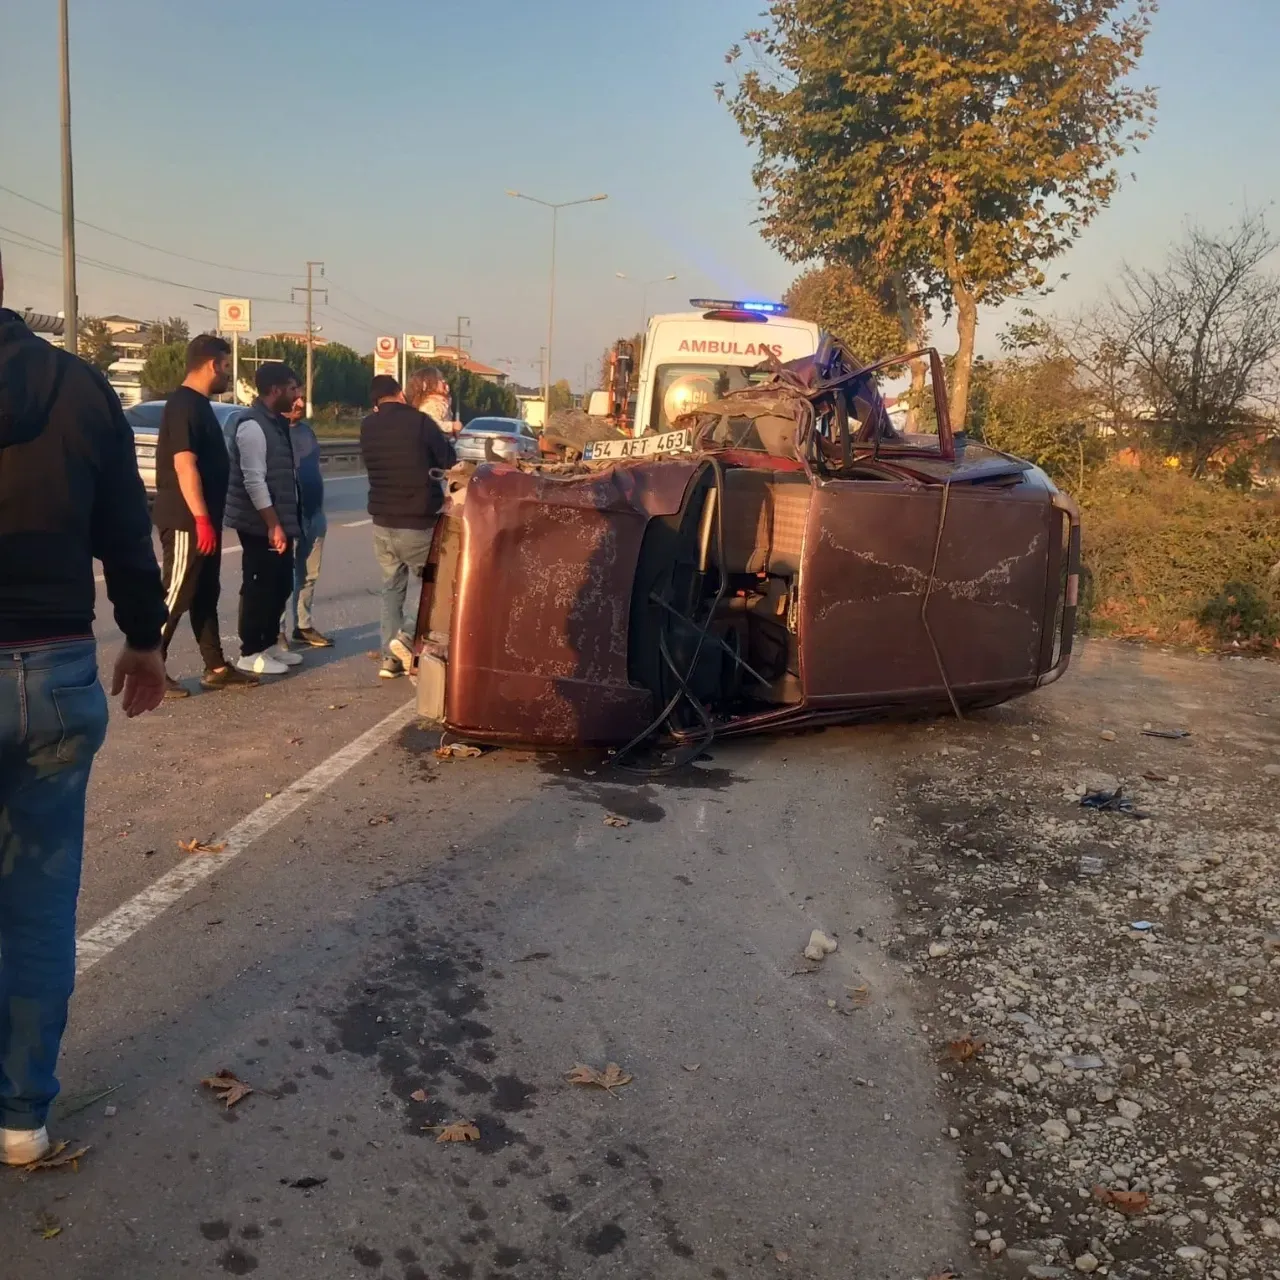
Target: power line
<point>43,246</point>
<point>390,315</point>
<point>155,248</point>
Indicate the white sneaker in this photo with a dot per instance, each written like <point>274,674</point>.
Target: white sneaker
<point>22,1146</point>
<point>261,664</point>
<point>398,648</point>
<point>281,654</point>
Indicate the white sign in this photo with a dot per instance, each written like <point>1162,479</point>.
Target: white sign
<point>640,447</point>
<point>385,357</point>
<point>419,344</point>
<point>234,315</point>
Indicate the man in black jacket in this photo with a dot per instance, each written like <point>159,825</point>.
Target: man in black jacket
<point>401,449</point>
<point>69,493</point>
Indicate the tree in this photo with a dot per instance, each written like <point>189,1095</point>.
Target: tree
<point>560,394</point>
<point>834,298</point>
<point>1200,337</point>
<point>96,347</point>
<point>174,329</point>
<point>952,148</point>
<point>164,370</point>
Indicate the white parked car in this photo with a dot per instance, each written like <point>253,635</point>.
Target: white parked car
<point>508,438</point>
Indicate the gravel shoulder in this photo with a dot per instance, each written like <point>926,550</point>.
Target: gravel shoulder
<point>1105,987</point>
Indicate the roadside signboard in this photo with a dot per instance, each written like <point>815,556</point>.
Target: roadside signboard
<point>386,357</point>
<point>234,315</point>
<point>419,344</point>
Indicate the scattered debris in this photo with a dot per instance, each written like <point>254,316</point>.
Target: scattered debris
<point>303,1184</point>
<point>938,950</point>
<point>819,946</point>
<point>1174,734</point>
<point>201,846</point>
<point>47,1225</point>
<point>58,1157</point>
<point>227,1086</point>
<point>1129,1203</point>
<point>457,751</point>
<point>295,742</point>
<point>337,706</point>
<point>861,996</point>
<point>458,1131</point>
<point>1152,776</point>
<point>379,820</point>
<point>613,820</point>
<point>70,1106</point>
<point>965,1049</point>
<point>534,955</point>
<point>419,1095</point>
<point>1108,735</point>
<point>1141,926</point>
<point>691,1066</point>
<point>1083,1062</point>
<point>1089,865</point>
<point>1112,802</point>
<point>611,1078</point>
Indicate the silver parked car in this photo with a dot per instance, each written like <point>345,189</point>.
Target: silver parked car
<point>145,420</point>
<point>509,439</point>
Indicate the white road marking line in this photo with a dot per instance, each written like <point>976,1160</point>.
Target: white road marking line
<point>355,524</point>
<point>359,475</point>
<point>226,551</point>
<point>117,927</point>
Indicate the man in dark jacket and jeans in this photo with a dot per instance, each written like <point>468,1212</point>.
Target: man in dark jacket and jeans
<point>69,493</point>
<point>401,449</point>
<point>262,507</point>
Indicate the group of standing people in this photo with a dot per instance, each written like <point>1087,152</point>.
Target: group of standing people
<point>70,494</point>
<point>261,480</point>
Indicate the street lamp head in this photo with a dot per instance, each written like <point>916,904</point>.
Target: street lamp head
<point>622,275</point>
<point>670,277</point>
<point>517,194</point>
<point>595,198</point>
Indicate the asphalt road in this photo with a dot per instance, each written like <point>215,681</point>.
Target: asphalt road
<point>390,943</point>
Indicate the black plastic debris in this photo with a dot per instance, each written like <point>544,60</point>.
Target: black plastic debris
<point>1174,734</point>
<point>304,1184</point>
<point>1112,802</point>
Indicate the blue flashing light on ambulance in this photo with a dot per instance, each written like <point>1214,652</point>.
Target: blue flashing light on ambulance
<point>694,357</point>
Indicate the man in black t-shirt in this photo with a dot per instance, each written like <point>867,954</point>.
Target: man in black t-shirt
<point>192,470</point>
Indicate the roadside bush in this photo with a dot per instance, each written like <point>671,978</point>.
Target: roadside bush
<point>1161,548</point>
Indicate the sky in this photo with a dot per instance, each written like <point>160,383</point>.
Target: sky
<point>380,139</point>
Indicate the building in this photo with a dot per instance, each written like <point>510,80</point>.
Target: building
<point>451,355</point>
<point>300,338</point>
<point>129,338</point>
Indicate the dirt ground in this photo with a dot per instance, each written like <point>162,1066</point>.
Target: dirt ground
<point>1103,985</point>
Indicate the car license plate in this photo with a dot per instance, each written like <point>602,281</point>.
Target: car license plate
<point>640,446</point>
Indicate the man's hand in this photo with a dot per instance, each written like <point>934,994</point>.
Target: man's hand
<point>278,539</point>
<point>139,675</point>
<point>206,536</point>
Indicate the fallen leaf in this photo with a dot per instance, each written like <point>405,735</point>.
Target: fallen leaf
<point>1127,1202</point>
<point>1152,776</point>
<point>613,820</point>
<point>295,742</point>
<point>419,1095</point>
<point>965,1049</point>
<point>457,751</point>
<point>47,1226</point>
<point>860,996</point>
<point>781,1255</point>
<point>304,1184</point>
<point>58,1158</point>
<point>227,1087</point>
<point>380,820</point>
<point>458,1131</point>
<point>691,1066</point>
<point>201,846</point>
<point>611,1078</point>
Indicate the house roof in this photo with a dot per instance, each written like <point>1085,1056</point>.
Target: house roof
<point>450,356</point>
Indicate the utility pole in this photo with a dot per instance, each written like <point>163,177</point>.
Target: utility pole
<point>70,305</point>
<point>460,337</point>
<point>310,290</point>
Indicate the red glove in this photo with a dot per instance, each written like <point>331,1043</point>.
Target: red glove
<point>206,536</point>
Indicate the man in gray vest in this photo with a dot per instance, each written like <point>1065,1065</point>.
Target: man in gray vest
<point>262,507</point>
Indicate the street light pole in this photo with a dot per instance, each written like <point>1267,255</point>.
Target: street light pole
<point>70,306</point>
<point>555,208</point>
<point>644,294</point>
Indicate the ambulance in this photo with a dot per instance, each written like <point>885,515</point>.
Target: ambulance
<point>696,356</point>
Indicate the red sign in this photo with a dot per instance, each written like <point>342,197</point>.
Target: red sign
<point>713,347</point>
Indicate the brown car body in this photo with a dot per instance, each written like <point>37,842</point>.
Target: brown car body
<point>804,564</point>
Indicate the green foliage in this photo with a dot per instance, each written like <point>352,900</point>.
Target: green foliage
<point>560,395</point>
<point>1238,473</point>
<point>960,146</point>
<point>174,329</point>
<point>164,370</point>
<point>834,298</point>
<point>95,346</point>
<point>340,376</point>
<point>1159,545</point>
<point>1241,612</point>
<point>1036,409</point>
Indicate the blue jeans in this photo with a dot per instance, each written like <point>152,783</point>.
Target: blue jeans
<point>308,551</point>
<point>401,554</point>
<point>53,718</point>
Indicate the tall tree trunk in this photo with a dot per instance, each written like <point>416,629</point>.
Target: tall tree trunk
<point>967,328</point>
<point>912,332</point>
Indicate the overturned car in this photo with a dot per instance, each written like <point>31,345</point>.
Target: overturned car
<point>786,558</point>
